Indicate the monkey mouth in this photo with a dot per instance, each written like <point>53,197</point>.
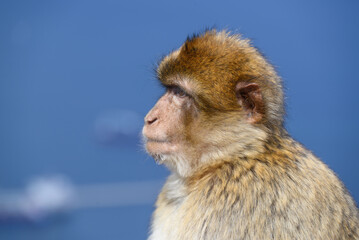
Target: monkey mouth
<point>154,140</point>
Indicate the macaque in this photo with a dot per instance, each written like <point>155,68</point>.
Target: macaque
<point>235,171</point>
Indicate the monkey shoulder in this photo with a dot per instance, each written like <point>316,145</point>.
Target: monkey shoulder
<point>286,188</point>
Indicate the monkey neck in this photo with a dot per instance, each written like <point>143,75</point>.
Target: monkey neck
<point>276,148</point>
<point>241,141</point>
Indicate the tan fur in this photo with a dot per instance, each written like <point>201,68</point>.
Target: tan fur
<point>239,180</point>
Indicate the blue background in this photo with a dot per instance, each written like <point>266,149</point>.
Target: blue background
<point>66,64</point>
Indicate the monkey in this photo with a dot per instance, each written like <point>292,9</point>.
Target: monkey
<point>236,173</point>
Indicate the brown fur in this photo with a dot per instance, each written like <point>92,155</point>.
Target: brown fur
<point>246,180</point>
<point>216,62</point>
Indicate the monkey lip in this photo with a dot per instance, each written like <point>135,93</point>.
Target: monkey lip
<point>156,140</point>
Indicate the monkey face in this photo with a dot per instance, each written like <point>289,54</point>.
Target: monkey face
<point>167,128</point>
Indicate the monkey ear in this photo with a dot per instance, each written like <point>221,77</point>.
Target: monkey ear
<point>249,96</point>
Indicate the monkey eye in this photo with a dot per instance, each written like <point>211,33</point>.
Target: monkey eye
<point>177,91</point>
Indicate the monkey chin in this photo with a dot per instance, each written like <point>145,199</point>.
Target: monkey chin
<point>166,153</point>
<point>160,150</point>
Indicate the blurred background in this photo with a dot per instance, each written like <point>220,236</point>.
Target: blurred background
<point>76,80</point>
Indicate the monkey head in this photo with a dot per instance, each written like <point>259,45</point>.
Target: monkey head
<point>222,99</point>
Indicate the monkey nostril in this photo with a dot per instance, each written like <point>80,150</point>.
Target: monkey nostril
<point>151,120</point>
